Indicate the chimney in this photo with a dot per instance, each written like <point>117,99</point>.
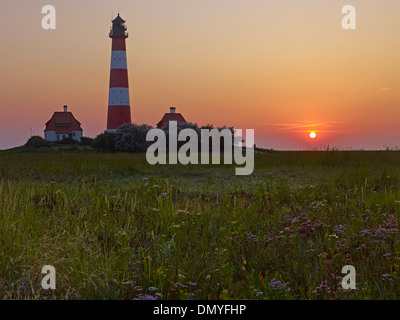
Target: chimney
<point>65,108</point>
<point>172,110</point>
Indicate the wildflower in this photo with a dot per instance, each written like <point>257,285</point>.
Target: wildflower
<point>392,223</point>
<point>387,256</point>
<point>387,277</point>
<point>362,246</point>
<point>153,289</point>
<point>258,293</point>
<point>323,287</point>
<point>191,284</point>
<point>364,232</point>
<point>287,217</point>
<point>318,204</point>
<point>328,263</point>
<point>251,238</point>
<point>340,229</point>
<point>308,227</point>
<point>146,297</point>
<point>208,276</point>
<point>323,255</point>
<point>191,296</point>
<point>276,284</point>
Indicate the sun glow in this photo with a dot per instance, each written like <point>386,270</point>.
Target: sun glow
<point>312,135</point>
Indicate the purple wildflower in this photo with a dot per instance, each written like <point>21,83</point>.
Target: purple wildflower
<point>251,238</point>
<point>146,297</point>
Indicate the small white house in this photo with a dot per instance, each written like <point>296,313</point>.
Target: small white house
<point>63,125</point>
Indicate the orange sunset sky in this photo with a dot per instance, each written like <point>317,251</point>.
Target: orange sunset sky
<point>281,67</point>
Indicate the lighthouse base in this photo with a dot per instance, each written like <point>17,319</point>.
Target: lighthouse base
<point>117,116</point>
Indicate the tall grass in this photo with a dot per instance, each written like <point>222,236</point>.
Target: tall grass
<point>117,228</point>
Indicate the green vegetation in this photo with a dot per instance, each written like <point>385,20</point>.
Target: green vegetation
<point>37,143</point>
<point>116,228</point>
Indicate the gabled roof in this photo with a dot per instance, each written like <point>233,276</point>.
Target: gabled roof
<point>119,19</point>
<point>171,117</point>
<point>63,123</point>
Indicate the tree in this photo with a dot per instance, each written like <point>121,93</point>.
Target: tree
<point>104,142</point>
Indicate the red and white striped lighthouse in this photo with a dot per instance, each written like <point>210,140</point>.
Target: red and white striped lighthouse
<point>119,110</point>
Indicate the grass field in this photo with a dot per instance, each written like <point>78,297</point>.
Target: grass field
<point>116,228</point>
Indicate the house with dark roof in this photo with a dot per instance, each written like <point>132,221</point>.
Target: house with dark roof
<point>63,125</point>
<point>171,116</point>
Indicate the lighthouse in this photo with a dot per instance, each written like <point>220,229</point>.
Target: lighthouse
<point>119,109</point>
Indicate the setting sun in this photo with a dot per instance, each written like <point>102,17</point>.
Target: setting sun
<point>313,135</point>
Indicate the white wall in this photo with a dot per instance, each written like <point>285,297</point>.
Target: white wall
<point>77,135</point>
<point>53,137</point>
<point>50,136</point>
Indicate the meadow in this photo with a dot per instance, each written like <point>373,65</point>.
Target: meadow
<point>115,227</point>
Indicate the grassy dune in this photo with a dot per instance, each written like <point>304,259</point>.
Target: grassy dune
<point>116,228</point>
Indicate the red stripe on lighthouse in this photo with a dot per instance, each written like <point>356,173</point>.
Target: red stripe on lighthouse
<point>118,44</point>
<point>119,78</point>
<point>117,116</point>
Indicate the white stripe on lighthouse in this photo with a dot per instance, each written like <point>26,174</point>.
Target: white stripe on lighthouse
<point>118,97</point>
<point>118,60</point>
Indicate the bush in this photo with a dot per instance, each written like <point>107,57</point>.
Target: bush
<point>132,138</point>
<point>67,141</point>
<point>37,142</point>
<point>85,141</point>
<point>104,142</point>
